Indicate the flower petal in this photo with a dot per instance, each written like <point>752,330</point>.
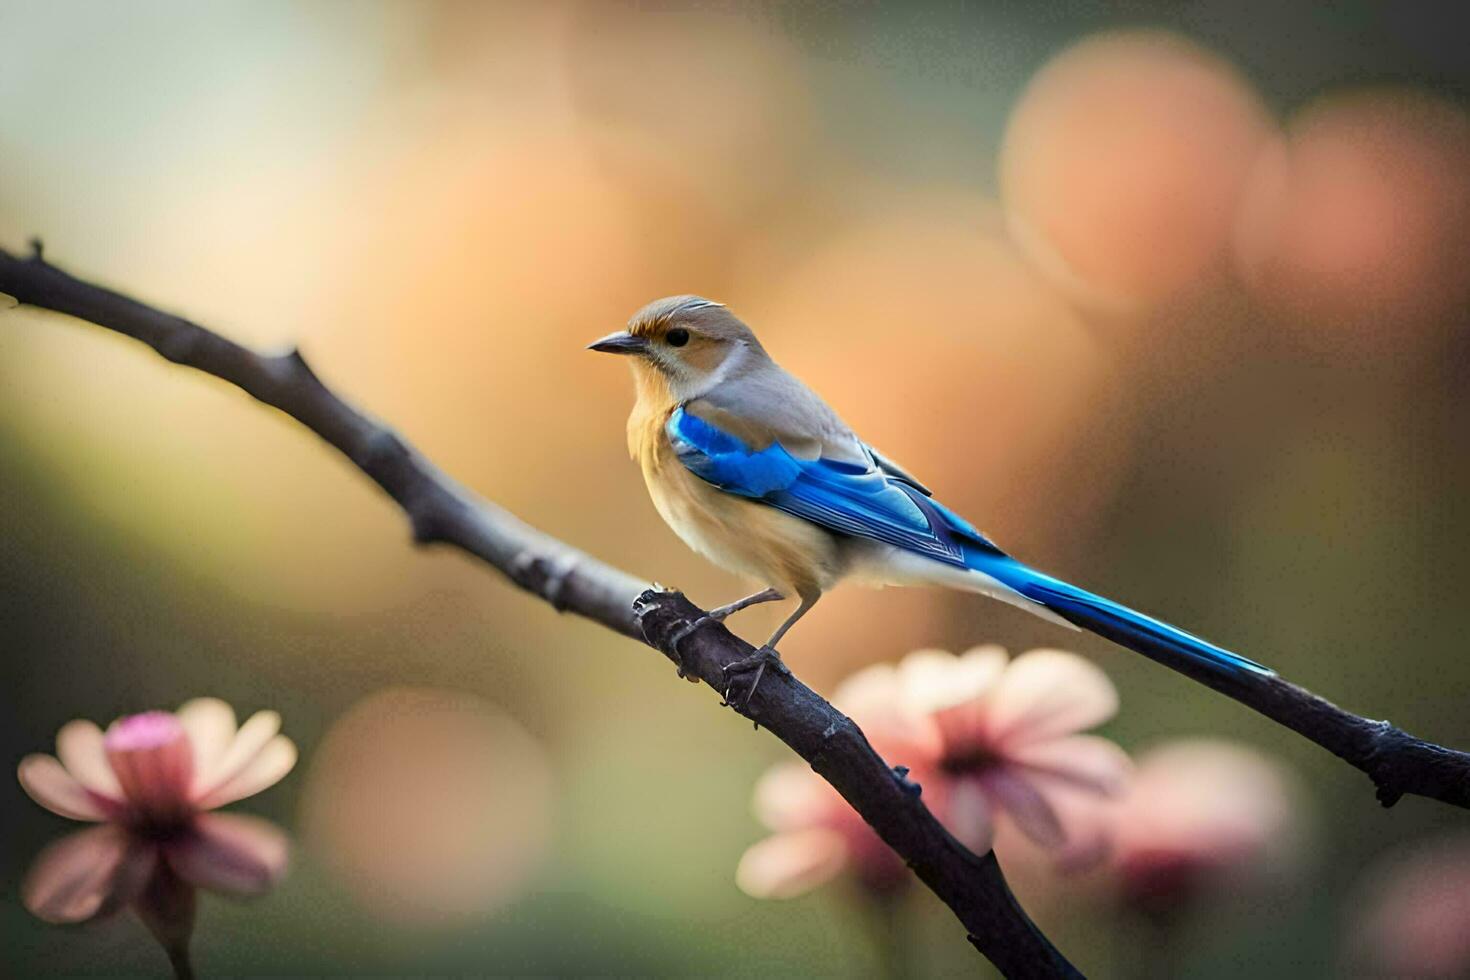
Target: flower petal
<point>790,796</point>
<point>874,698</point>
<point>967,815</point>
<point>86,874</point>
<point>875,686</point>
<point>230,853</point>
<point>1208,801</point>
<point>268,767</point>
<point>210,725</point>
<point>935,680</point>
<point>79,747</point>
<point>154,762</point>
<point>1048,693</point>
<point>1089,762</point>
<point>1026,805</point>
<point>49,784</point>
<point>791,864</point>
<point>953,691</point>
<point>1089,823</point>
<point>247,743</point>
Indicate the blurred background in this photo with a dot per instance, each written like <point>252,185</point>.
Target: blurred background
<point>1169,298</point>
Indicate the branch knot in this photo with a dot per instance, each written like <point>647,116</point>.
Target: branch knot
<point>544,575</point>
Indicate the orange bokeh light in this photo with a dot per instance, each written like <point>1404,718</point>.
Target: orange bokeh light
<point>1123,163</point>
<point>431,806</point>
<point>1356,229</point>
<point>939,345</point>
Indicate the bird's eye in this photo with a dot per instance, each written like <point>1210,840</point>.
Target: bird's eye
<point>678,337</point>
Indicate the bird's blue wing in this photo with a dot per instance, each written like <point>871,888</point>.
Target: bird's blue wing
<point>849,498</point>
<point>867,502</point>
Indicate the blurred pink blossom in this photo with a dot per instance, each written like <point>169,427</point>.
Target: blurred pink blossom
<point>1200,813</point>
<point>988,739</point>
<point>150,782</point>
<point>1412,913</point>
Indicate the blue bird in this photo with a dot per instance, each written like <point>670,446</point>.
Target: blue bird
<point>755,472</point>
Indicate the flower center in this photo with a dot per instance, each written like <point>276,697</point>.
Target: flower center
<point>968,762</point>
<point>154,763</point>
<point>149,730</point>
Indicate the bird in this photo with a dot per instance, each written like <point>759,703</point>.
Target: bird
<point>754,471</point>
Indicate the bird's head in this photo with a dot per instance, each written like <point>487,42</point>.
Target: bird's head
<point>691,343</point>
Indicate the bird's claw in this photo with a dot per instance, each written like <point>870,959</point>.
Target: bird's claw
<point>765,657</point>
<point>680,635</point>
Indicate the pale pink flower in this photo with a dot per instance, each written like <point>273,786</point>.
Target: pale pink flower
<point>1202,813</point>
<point>990,741</point>
<point>816,836</point>
<point>151,781</point>
<point>1411,913</point>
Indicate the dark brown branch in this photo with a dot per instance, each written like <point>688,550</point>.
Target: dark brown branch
<point>1398,763</point>
<point>439,510</point>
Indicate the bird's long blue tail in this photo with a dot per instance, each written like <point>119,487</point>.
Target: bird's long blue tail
<point>1144,634</point>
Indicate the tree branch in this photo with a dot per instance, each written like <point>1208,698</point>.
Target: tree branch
<point>1398,763</point>
<point>439,510</point>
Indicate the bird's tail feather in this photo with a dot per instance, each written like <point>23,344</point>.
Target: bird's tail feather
<point>1144,634</point>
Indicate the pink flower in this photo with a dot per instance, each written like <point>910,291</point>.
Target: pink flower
<point>991,741</point>
<point>817,835</point>
<point>1200,813</point>
<point>1411,913</point>
<point>150,782</point>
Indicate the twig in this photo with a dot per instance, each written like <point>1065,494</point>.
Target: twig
<point>439,510</point>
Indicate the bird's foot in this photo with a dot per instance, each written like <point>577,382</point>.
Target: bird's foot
<point>721,613</point>
<point>757,663</point>
<point>680,635</point>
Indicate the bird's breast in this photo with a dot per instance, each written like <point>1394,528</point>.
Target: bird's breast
<point>736,533</point>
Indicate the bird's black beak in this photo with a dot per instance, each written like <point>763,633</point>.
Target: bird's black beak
<point>621,342</point>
